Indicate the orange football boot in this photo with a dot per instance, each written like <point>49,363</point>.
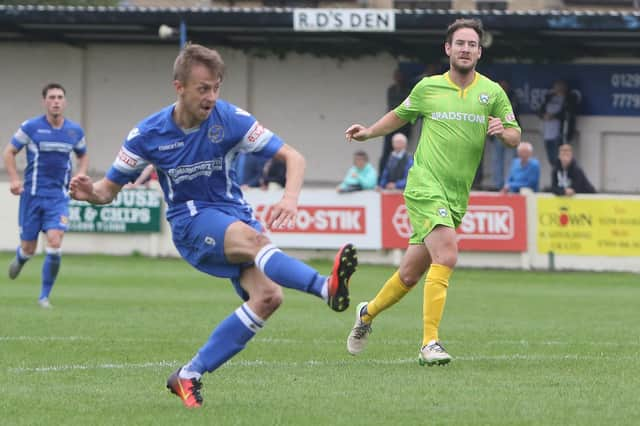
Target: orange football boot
<point>188,390</point>
<point>344,266</point>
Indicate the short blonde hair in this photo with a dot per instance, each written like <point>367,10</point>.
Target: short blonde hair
<point>197,54</point>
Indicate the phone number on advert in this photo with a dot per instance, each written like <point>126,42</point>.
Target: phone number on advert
<point>626,80</point>
<point>626,100</point>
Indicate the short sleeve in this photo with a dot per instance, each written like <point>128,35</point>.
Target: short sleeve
<point>21,137</point>
<point>409,109</point>
<point>129,162</point>
<point>502,109</point>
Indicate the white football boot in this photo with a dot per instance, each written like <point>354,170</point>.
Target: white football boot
<point>433,354</point>
<point>357,339</point>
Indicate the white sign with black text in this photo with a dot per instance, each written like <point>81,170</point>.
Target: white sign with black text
<point>355,20</point>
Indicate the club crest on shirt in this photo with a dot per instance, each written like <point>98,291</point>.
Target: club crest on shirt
<point>483,98</point>
<point>215,133</point>
<point>442,212</point>
<point>72,134</point>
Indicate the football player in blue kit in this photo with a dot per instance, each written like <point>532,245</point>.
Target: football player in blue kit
<point>44,200</point>
<point>192,145</point>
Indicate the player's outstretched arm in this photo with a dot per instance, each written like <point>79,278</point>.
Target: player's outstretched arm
<point>83,188</point>
<point>284,212</point>
<point>387,124</point>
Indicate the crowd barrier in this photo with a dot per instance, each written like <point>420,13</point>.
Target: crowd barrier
<point>521,231</point>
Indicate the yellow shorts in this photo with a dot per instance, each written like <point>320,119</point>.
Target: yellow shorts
<point>428,211</point>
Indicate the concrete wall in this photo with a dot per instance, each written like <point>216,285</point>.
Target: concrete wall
<point>308,101</point>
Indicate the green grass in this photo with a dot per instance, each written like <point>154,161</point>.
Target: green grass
<point>530,348</point>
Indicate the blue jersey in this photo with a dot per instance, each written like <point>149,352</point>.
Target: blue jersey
<point>194,165</point>
<point>49,154</point>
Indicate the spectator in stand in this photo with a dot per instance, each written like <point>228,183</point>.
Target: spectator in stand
<point>394,175</point>
<point>558,113</point>
<point>362,175</point>
<point>501,153</point>
<point>274,175</point>
<point>396,94</point>
<point>525,171</point>
<point>567,177</point>
<point>249,169</point>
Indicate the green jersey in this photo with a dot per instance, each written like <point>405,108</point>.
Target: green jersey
<point>454,130</point>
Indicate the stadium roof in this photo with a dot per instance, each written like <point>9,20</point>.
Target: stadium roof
<point>541,35</point>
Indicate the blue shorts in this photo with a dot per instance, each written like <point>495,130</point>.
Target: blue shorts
<point>41,214</point>
<point>200,241</point>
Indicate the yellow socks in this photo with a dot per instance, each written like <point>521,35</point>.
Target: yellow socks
<point>435,294</point>
<point>390,293</point>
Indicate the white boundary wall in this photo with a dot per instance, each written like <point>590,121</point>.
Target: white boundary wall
<point>308,101</point>
<point>161,244</point>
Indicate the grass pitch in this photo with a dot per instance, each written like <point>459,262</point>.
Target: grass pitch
<point>530,348</point>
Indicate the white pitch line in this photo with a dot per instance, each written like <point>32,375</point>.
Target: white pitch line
<point>323,363</point>
<point>110,366</point>
<point>286,341</point>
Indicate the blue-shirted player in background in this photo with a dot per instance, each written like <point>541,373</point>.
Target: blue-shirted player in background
<point>49,140</point>
<point>192,144</point>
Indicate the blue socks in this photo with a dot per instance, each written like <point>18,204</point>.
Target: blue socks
<point>227,339</point>
<point>50,269</point>
<point>289,272</point>
<point>235,331</point>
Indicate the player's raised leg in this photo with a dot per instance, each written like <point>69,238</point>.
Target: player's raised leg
<point>259,264</point>
<point>414,262</point>
<point>245,244</point>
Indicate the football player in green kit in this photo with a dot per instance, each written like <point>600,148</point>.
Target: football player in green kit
<point>460,108</point>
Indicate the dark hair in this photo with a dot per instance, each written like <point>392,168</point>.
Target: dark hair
<point>50,86</point>
<point>196,54</point>
<point>474,24</point>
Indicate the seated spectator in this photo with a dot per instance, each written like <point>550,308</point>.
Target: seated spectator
<point>567,177</point>
<point>362,175</point>
<point>274,174</point>
<point>394,174</point>
<point>525,171</point>
<point>249,169</point>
